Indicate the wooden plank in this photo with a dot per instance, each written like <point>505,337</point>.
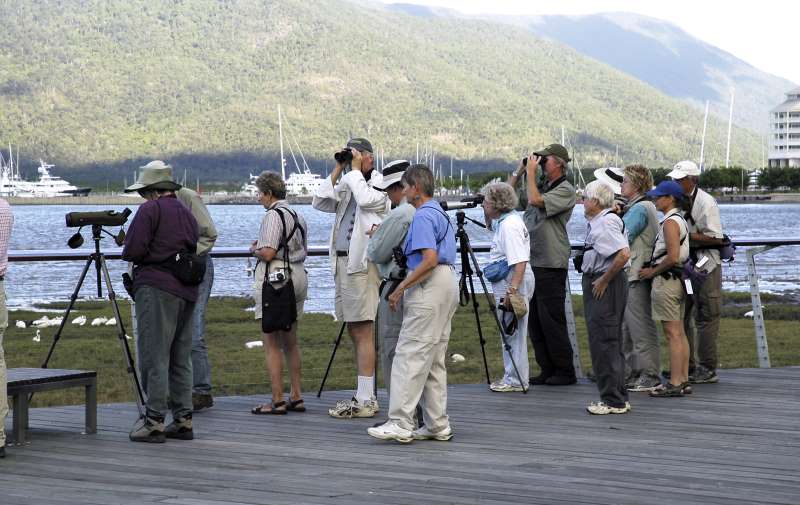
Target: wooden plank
<point>737,441</point>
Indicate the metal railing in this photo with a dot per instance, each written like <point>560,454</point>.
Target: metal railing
<point>754,246</point>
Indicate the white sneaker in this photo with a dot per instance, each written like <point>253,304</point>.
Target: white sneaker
<point>601,409</point>
<point>348,409</point>
<point>390,430</point>
<point>423,433</point>
<point>502,387</point>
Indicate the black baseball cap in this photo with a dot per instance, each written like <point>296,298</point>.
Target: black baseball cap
<point>360,143</point>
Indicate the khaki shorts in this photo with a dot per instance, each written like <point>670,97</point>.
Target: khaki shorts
<point>299,279</point>
<point>668,299</point>
<point>356,294</point>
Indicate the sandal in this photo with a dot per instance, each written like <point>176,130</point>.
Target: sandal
<point>274,408</point>
<point>686,387</point>
<point>667,390</point>
<point>296,405</point>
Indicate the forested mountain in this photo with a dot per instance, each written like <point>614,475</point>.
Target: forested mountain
<point>656,52</point>
<point>93,84</point>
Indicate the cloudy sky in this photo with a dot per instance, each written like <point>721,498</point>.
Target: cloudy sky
<point>764,34</point>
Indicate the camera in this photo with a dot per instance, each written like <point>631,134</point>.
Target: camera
<point>101,218</point>
<point>400,258</point>
<point>344,156</point>
<point>277,276</point>
<point>542,161</point>
<point>469,202</point>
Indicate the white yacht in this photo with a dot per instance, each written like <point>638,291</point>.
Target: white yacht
<point>297,184</point>
<point>47,186</point>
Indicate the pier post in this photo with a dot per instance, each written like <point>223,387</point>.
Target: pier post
<point>758,313</point>
<point>572,332</point>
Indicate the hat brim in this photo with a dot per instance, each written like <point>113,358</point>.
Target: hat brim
<point>677,174</point>
<point>600,175</point>
<point>546,152</point>
<point>388,181</point>
<point>163,185</point>
<point>653,194</point>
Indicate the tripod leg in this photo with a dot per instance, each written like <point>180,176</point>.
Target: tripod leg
<point>330,361</point>
<point>377,354</point>
<point>467,292</point>
<point>493,307</point>
<point>126,351</point>
<point>481,338</point>
<point>72,300</point>
<point>64,319</point>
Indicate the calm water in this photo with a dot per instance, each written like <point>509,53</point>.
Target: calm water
<point>42,227</point>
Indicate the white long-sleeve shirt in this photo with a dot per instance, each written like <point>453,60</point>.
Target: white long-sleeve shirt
<point>371,206</point>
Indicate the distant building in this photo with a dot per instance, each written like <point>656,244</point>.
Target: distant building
<point>784,132</point>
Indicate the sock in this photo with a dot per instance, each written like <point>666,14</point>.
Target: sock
<point>364,391</point>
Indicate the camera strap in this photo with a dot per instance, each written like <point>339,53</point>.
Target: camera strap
<point>284,243</point>
<point>683,239</point>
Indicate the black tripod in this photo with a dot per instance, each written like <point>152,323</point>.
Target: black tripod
<point>333,355</point>
<point>467,292</point>
<point>99,261</point>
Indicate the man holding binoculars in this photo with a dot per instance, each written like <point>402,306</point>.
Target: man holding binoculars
<point>546,215</point>
<point>359,208</point>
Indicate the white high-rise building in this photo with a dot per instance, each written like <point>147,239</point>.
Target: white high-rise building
<point>784,132</point>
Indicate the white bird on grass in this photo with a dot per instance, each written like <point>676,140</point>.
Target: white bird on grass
<point>97,321</point>
<point>254,344</point>
<point>80,320</point>
<point>21,324</point>
<point>111,322</point>
<point>38,337</point>
<point>457,358</point>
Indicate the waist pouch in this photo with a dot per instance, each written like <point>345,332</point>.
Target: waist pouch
<point>496,271</point>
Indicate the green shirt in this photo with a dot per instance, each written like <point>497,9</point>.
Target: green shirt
<point>548,225</point>
<point>208,232</point>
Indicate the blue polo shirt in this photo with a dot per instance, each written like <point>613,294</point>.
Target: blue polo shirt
<point>430,229</point>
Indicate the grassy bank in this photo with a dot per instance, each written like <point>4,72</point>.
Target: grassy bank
<point>239,370</point>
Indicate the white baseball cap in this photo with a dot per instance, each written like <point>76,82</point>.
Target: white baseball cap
<point>684,168</point>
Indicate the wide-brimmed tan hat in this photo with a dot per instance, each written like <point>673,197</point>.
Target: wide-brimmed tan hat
<point>154,175</point>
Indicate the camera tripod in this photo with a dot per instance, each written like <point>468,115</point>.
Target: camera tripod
<point>333,355</point>
<point>98,259</point>
<point>466,286</point>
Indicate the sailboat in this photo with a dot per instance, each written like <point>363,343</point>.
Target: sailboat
<point>302,182</point>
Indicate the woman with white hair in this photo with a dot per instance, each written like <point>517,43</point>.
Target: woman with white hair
<point>509,263</point>
<point>606,255</point>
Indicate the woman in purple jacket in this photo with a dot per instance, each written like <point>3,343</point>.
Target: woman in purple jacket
<point>161,228</point>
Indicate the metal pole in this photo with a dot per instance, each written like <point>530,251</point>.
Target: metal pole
<point>572,332</point>
<point>758,315</point>
<point>730,124</point>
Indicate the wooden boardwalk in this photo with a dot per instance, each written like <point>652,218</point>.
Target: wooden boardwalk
<point>733,442</point>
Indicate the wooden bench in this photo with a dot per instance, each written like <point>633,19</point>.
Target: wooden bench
<point>22,382</point>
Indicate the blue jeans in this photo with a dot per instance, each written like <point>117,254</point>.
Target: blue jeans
<point>164,344</point>
<point>201,368</point>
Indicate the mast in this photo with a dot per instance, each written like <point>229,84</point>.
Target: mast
<point>280,134</point>
<point>703,139</point>
<point>730,124</point>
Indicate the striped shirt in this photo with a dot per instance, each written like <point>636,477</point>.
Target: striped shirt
<point>6,222</point>
<point>271,233</point>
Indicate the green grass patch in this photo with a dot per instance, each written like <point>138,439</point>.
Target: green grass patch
<point>238,370</point>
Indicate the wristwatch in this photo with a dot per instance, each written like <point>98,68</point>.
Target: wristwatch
<point>512,289</point>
